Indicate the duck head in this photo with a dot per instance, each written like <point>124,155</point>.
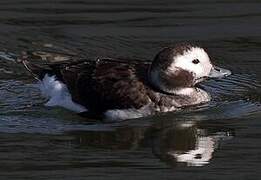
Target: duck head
<point>177,69</point>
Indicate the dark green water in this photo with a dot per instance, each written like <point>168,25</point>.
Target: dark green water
<point>220,140</point>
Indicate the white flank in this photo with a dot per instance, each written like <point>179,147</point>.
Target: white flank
<point>123,114</point>
<point>58,94</point>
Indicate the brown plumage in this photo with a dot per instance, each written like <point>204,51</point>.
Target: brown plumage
<point>110,85</point>
<point>101,85</point>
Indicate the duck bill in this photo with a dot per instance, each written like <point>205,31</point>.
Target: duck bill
<point>217,72</point>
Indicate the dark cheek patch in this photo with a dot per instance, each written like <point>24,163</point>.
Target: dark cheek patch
<point>179,78</point>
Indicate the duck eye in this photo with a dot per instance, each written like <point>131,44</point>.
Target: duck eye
<point>195,61</point>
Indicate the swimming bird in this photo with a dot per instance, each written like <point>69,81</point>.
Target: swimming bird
<point>116,88</point>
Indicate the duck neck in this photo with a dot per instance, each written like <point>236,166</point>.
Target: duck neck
<point>161,84</point>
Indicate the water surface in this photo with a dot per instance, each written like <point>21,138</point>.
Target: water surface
<point>218,140</point>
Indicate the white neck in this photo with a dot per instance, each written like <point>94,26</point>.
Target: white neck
<point>183,91</point>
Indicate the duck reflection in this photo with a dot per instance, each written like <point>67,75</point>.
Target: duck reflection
<point>183,142</point>
<point>189,143</point>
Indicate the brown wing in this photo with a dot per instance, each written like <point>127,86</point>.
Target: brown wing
<point>112,85</point>
<point>99,85</point>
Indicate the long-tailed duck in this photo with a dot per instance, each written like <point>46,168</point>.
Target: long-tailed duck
<point>122,89</point>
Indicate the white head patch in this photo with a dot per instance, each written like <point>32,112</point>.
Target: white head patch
<point>185,61</point>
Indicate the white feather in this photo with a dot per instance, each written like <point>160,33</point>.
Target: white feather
<point>122,114</point>
<point>58,94</point>
<point>184,91</point>
<point>184,61</point>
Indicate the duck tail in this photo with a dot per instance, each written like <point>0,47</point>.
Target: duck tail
<point>37,71</point>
